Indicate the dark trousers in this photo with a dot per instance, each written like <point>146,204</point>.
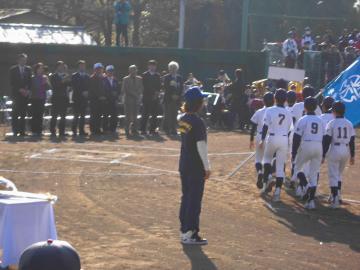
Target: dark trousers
<point>170,116</point>
<point>79,117</point>
<point>150,108</point>
<point>243,113</point>
<point>192,193</point>
<point>290,62</point>
<point>18,115</point>
<point>111,119</point>
<point>98,114</point>
<point>122,29</point>
<point>37,114</point>
<point>58,108</point>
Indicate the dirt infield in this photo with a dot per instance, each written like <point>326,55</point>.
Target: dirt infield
<point>119,199</point>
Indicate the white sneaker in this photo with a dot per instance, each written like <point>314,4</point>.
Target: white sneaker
<point>335,204</point>
<point>186,236</point>
<point>276,196</point>
<point>194,239</point>
<point>330,198</point>
<point>310,205</point>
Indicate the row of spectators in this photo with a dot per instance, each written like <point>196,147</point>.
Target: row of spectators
<point>99,93</point>
<point>337,52</point>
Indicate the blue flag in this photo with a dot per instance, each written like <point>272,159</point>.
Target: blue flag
<point>346,88</point>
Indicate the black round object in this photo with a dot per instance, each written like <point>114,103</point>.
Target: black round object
<point>308,91</point>
<point>339,108</point>
<point>310,104</point>
<point>280,96</point>
<point>50,255</point>
<point>328,102</point>
<point>268,99</point>
<point>291,97</point>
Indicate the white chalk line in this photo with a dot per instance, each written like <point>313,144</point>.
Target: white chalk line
<point>56,150</point>
<point>80,173</point>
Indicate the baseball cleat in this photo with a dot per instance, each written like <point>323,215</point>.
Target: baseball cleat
<point>310,205</point>
<point>335,204</point>
<point>259,182</point>
<point>330,198</point>
<point>300,191</point>
<point>340,197</point>
<point>194,239</point>
<point>276,196</point>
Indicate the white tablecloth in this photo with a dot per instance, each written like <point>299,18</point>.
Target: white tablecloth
<point>24,222</point>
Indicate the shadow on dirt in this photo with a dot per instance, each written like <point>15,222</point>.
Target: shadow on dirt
<point>323,224</point>
<point>199,260</point>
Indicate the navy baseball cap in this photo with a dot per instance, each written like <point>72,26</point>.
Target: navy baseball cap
<point>194,93</point>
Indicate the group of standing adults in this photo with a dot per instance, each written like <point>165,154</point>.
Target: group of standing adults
<point>100,93</point>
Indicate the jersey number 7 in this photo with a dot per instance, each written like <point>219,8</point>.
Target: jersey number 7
<point>282,118</point>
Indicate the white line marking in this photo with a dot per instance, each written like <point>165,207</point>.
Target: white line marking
<point>35,155</point>
<point>51,151</point>
<point>88,174</point>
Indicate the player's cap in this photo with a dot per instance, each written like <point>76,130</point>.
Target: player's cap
<point>310,104</point>
<point>194,93</point>
<point>291,97</point>
<point>328,102</point>
<point>308,91</point>
<point>280,96</point>
<point>98,65</point>
<point>110,68</point>
<point>338,107</point>
<point>54,255</point>
<point>268,99</point>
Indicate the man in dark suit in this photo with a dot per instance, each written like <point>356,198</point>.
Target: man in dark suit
<point>60,81</point>
<point>80,82</point>
<point>152,85</point>
<point>97,100</point>
<point>20,80</point>
<point>112,90</point>
<point>174,86</point>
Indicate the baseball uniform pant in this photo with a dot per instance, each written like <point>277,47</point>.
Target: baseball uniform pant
<point>310,156</point>
<point>276,145</point>
<point>337,157</point>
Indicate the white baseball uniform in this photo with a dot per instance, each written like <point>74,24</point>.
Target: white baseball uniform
<point>326,118</point>
<point>341,130</point>
<point>291,110</point>
<point>298,112</point>
<point>279,121</point>
<point>258,119</point>
<point>312,131</point>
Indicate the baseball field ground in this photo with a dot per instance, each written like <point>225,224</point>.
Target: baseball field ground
<point>119,199</point>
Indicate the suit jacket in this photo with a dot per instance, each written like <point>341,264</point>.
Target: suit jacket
<point>132,87</point>
<point>18,81</point>
<point>97,89</point>
<point>152,86</point>
<point>59,88</point>
<point>112,91</point>
<point>173,88</point>
<point>80,84</point>
<point>39,86</point>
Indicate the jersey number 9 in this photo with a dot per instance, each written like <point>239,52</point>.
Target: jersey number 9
<point>314,128</point>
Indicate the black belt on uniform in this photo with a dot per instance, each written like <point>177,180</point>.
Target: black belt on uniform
<point>273,134</point>
<point>338,144</point>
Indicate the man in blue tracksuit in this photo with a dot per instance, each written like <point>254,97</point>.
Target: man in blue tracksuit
<point>122,14</point>
<point>194,166</point>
